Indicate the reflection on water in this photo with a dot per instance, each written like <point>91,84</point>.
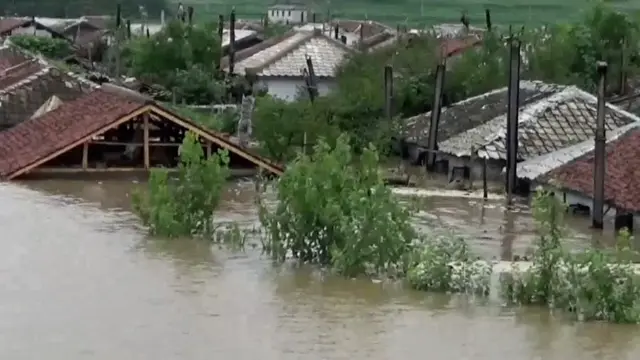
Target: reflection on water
<point>81,281</point>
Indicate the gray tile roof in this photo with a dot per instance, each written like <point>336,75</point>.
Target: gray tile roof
<point>473,112</point>
<point>556,122</point>
<point>287,58</point>
<point>539,166</point>
<point>21,100</point>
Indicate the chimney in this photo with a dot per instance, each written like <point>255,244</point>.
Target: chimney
<point>388,91</point>
<point>487,17</point>
<point>336,29</point>
<point>190,15</point>
<point>599,158</point>
<point>512,116</point>
<point>232,40</point>
<point>436,108</point>
<point>128,29</point>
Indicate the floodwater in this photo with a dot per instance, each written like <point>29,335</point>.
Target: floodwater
<point>81,281</point>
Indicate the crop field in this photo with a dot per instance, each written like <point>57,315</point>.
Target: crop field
<point>422,12</point>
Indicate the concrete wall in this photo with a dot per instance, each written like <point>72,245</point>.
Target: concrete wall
<point>287,16</point>
<point>287,88</point>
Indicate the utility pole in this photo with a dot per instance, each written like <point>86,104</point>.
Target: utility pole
<point>220,35</point>
<point>436,109</point>
<point>232,40</point>
<point>118,38</point>
<point>312,88</point>
<point>512,116</point>
<point>599,153</point>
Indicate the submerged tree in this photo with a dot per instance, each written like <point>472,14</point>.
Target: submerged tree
<point>335,211</point>
<point>183,205</point>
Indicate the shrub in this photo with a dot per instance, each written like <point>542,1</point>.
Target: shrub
<point>184,205</point>
<point>336,211</point>
<point>594,285</point>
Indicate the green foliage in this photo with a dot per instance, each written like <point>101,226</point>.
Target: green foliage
<point>45,46</point>
<point>183,205</point>
<point>448,265</point>
<point>225,122</point>
<point>335,211</point>
<point>594,285</point>
<point>180,57</point>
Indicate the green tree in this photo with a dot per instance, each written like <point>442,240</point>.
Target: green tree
<point>183,205</point>
<point>180,57</point>
<point>335,211</point>
<point>47,47</point>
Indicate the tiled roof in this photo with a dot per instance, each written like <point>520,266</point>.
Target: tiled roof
<point>20,72</point>
<point>469,114</point>
<point>10,23</point>
<point>35,139</point>
<point>22,99</point>
<point>369,28</point>
<point>288,57</point>
<point>11,56</point>
<point>622,174</point>
<point>29,142</point>
<point>553,123</point>
<point>537,167</point>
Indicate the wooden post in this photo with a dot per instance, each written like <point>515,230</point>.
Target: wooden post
<point>512,117</point>
<point>436,108</point>
<point>208,149</point>
<point>146,140</point>
<point>85,155</point>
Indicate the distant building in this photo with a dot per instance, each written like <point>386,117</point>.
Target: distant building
<point>288,14</point>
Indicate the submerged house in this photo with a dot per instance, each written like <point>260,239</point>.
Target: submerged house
<point>459,124</point>
<point>573,181</point>
<point>109,129</point>
<point>279,63</point>
<point>551,118</point>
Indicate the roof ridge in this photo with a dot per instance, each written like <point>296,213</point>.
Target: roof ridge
<point>25,81</point>
<point>305,36</point>
<point>255,49</point>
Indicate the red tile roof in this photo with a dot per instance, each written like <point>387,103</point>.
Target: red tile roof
<point>622,176</point>
<point>8,24</point>
<point>20,72</point>
<point>36,139</point>
<point>452,47</point>
<point>33,140</point>
<point>10,56</point>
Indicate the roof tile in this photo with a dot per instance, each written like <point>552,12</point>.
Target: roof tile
<point>564,119</point>
<point>622,174</point>
<point>288,57</point>
<point>35,139</point>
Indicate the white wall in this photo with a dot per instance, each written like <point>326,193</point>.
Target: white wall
<point>290,16</point>
<point>30,30</point>
<point>574,198</point>
<point>287,88</point>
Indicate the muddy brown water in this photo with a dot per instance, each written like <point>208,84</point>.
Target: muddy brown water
<point>81,281</point>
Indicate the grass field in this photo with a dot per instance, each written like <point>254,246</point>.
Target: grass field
<point>423,12</point>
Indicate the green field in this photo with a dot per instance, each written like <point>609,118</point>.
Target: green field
<point>423,12</point>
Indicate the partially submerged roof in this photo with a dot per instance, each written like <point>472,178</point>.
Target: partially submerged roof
<point>20,100</point>
<point>34,142</point>
<point>11,56</point>
<point>547,125</point>
<point>10,23</point>
<point>286,55</point>
<point>622,174</point>
<point>469,114</point>
<point>537,167</point>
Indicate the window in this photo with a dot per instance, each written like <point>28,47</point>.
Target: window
<point>289,13</point>
<point>273,13</point>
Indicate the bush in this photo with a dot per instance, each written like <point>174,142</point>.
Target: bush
<point>184,205</point>
<point>594,285</point>
<point>336,211</point>
<point>447,265</point>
